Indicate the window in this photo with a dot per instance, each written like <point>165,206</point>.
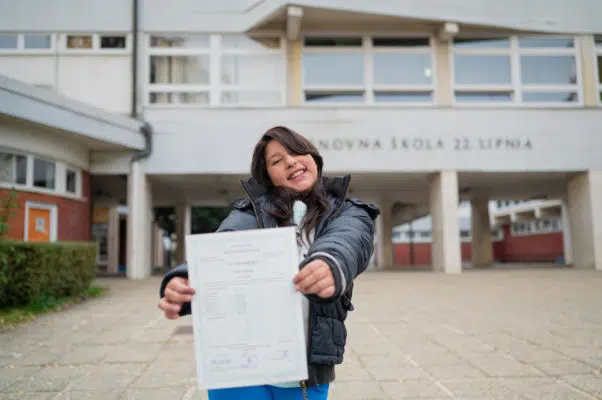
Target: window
<point>38,42</point>
<point>79,41</point>
<point>217,70</point>
<point>9,42</point>
<point>71,181</point>
<point>95,43</point>
<point>44,173</point>
<point>516,70</point>
<point>536,227</point>
<point>598,41</point>
<point>13,168</point>
<point>372,70</point>
<point>112,42</point>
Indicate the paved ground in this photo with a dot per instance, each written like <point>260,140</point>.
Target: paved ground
<point>487,334</point>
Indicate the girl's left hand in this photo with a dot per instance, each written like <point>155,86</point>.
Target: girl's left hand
<point>315,278</point>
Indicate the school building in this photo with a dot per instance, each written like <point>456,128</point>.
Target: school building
<point>109,108</point>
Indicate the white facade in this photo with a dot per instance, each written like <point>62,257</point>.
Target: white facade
<point>426,103</point>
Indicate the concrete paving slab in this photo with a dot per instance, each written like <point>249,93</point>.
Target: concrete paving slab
<point>486,334</point>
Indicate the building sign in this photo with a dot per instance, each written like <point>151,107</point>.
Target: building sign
<point>457,143</point>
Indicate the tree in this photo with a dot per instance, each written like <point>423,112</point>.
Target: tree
<point>207,219</point>
<point>202,219</point>
<point>8,204</point>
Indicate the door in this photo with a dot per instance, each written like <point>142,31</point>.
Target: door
<point>40,222</point>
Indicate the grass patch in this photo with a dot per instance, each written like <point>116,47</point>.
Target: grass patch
<point>13,316</point>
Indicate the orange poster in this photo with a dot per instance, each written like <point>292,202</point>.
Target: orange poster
<point>39,225</point>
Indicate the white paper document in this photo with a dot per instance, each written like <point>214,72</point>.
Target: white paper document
<point>247,316</point>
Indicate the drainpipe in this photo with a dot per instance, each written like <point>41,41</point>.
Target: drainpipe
<point>134,109</point>
<point>146,129</point>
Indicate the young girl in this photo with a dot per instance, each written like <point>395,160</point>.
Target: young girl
<point>335,237</point>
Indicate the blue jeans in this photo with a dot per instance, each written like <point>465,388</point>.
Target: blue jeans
<point>267,392</point>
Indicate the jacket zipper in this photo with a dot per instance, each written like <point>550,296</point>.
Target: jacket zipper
<point>253,205</point>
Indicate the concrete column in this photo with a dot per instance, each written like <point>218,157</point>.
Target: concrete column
<point>139,224</point>
<point>585,214</point>
<point>384,236</point>
<point>589,79</point>
<point>567,242</point>
<point>482,246</point>
<point>443,72</point>
<point>113,241</point>
<point>293,80</point>
<point>182,229</point>
<point>446,254</point>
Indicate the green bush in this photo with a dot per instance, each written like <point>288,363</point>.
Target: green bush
<point>33,273</point>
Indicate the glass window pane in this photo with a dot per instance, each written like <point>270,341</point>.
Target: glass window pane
<point>38,42</point>
<point>400,42</point>
<point>13,168</point>
<point>179,98</point>
<point>598,40</point>
<point>8,41</point>
<point>180,69</point>
<point>482,69</point>
<point>250,43</point>
<point>497,43</point>
<point>253,69</point>
<point>402,69</point>
<point>79,42</point>
<point>600,69</point>
<point>251,97</point>
<point>403,97</point>
<point>70,181</point>
<point>331,97</point>
<point>333,69</point>
<point>333,41</point>
<point>545,42</point>
<point>548,70</point>
<point>21,170</point>
<point>483,97</point>
<point>112,42</point>
<point>552,97</point>
<point>180,41</point>
<point>43,174</point>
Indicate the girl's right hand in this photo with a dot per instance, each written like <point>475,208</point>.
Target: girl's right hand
<point>177,292</point>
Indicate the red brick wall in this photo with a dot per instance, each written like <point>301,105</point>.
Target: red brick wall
<point>548,247</point>
<point>73,215</point>
<point>422,254</point>
<point>532,248</point>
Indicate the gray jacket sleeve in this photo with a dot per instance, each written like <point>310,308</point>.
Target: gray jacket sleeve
<point>237,220</point>
<point>346,244</point>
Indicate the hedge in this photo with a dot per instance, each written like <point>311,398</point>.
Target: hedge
<point>31,272</point>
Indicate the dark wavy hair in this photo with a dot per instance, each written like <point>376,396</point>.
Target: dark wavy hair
<point>283,199</point>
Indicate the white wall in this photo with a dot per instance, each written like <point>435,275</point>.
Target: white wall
<point>100,81</point>
<point>96,80</point>
<point>35,70</point>
<point>42,142</point>
<point>577,16</point>
<point>110,162</point>
<point>186,141</point>
<point>66,15</point>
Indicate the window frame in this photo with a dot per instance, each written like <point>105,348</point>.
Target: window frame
<point>598,54</point>
<point>215,88</point>
<point>516,88</point>
<point>96,40</point>
<point>22,50</point>
<point>60,178</point>
<point>368,87</point>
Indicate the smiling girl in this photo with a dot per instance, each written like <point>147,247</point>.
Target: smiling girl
<point>336,235</point>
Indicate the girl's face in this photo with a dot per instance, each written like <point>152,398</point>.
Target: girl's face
<point>295,172</point>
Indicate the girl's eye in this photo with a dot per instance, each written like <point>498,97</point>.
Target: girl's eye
<point>275,162</point>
